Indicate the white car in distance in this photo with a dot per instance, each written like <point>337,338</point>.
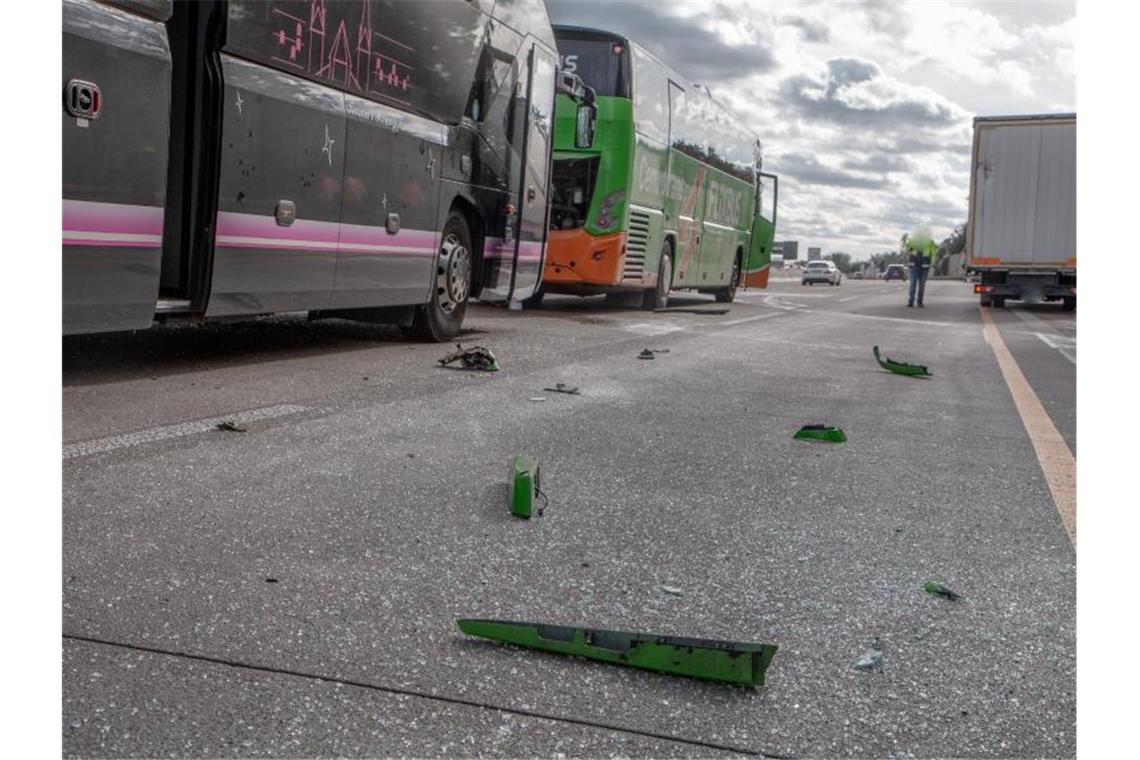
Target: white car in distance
<point>821,271</point>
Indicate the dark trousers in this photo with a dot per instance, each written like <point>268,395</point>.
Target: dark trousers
<point>917,281</point>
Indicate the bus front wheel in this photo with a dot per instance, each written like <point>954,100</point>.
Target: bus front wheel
<point>658,298</point>
<point>439,319</point>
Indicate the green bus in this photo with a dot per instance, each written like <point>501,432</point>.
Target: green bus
<point>655,186</point>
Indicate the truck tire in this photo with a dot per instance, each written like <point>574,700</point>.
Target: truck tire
<point>658,298</point>
<point>439,319</point>
<point>986,302</point>
<point>1069,303</point>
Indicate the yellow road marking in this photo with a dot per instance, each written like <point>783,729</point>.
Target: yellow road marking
<point>1057,462</point>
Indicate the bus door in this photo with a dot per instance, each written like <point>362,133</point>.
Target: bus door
<point>520,252</point>
<point>116,108</point>
<point>685,197</point>
<point>279,191</point>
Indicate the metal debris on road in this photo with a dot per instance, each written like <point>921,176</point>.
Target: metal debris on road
<point>537,398</point>
<point>872,658</point>
<point>933,587</point>
<point>672,591</point>
<point>828,433</point>
<point>564,388</point>
<point>732,662</point>
<point>901,368</point>
<point>476,357</point>
<point>524,485</point>
<point>649,353</point>
<point>230,427</point>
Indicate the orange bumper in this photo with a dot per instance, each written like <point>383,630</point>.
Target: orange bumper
<point>575,257</point>
<point>758,279</point>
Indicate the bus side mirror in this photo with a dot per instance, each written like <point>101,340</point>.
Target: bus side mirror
<point>587,123</point>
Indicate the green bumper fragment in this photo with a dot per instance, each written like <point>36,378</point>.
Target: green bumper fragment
<point>524,485</point>
<point>828,433</point>
<point>711,659</point>
<point>901,368</point>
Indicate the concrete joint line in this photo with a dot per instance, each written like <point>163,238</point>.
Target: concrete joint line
<point>1057,463</point>
<point>419,695</point>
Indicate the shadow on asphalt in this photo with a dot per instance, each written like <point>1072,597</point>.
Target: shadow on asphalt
<point>173,349</point>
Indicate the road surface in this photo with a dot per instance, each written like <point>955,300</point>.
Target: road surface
<point>292,590</point>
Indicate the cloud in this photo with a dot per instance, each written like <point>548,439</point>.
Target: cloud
<point>856,92</point>
<point>807,168</point>
<point>811,29</point>
<point>696,52</point>
<point>879,162</point>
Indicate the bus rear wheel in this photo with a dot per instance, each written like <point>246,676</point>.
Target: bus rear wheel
<point>658,298</point>
<point>440,318</point>
<point>728,295</point>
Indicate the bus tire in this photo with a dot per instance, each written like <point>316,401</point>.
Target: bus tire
<point>658,298</point>
<point>728,295</point>
<point>439,319</point>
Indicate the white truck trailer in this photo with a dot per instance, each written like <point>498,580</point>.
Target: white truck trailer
<point>1022,237</point>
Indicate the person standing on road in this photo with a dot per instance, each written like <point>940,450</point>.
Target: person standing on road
<point>920,258</point>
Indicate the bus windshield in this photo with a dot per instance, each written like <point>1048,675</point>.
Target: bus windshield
<point>601,63</point>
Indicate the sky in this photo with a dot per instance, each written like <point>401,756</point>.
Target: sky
<point>864,109</point>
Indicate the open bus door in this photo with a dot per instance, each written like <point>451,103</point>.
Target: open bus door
<point>763,231</point>
<point>520,252</point>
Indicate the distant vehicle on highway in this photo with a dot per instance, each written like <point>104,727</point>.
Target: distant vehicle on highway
<point>895,272</point>
<point>857,276</point>
<point>821,271</point>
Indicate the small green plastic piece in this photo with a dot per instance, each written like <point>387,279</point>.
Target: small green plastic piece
<point>711,659</point>
<point>828,433</point>
<point>524,485</point>
<point>901,368</point>
<point>936,588</point>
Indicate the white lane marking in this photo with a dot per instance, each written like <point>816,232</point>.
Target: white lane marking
<point>652,328</point>
<point>166,432</point>
<point>749,319</point>
<point>848,298</point>
<point>1066,347</point>
<point>914,322</point>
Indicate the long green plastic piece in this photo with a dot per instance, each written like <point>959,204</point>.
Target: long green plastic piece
<point>828,433</point>
<point>524,485</point>
<point>711,659</point>
<point>901,368</point>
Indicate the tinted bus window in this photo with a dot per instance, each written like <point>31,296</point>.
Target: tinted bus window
<point>602,64</point>
<point>650,97</point>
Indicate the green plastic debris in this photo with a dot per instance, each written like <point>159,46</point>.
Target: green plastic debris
<point>828,433</point>
<point>476,357</point>
<point>711,659</point>
<point>933,587</point>
<point>901,368</point>
<point>524,485</point>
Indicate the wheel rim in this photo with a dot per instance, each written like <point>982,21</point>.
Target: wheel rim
<point>453,275</point>
<point>666,275</point>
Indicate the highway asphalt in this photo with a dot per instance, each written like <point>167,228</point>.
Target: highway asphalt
<point>292,590</point>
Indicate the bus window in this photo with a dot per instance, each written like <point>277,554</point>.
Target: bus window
<point>600,63</point>
<point>650,97</point>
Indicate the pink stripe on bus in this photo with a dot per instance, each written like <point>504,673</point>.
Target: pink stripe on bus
<point>111,224</point>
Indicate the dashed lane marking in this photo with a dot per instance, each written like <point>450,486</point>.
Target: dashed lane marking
<point>166,432</point>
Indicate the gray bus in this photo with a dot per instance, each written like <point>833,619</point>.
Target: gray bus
<point>383,160</point>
